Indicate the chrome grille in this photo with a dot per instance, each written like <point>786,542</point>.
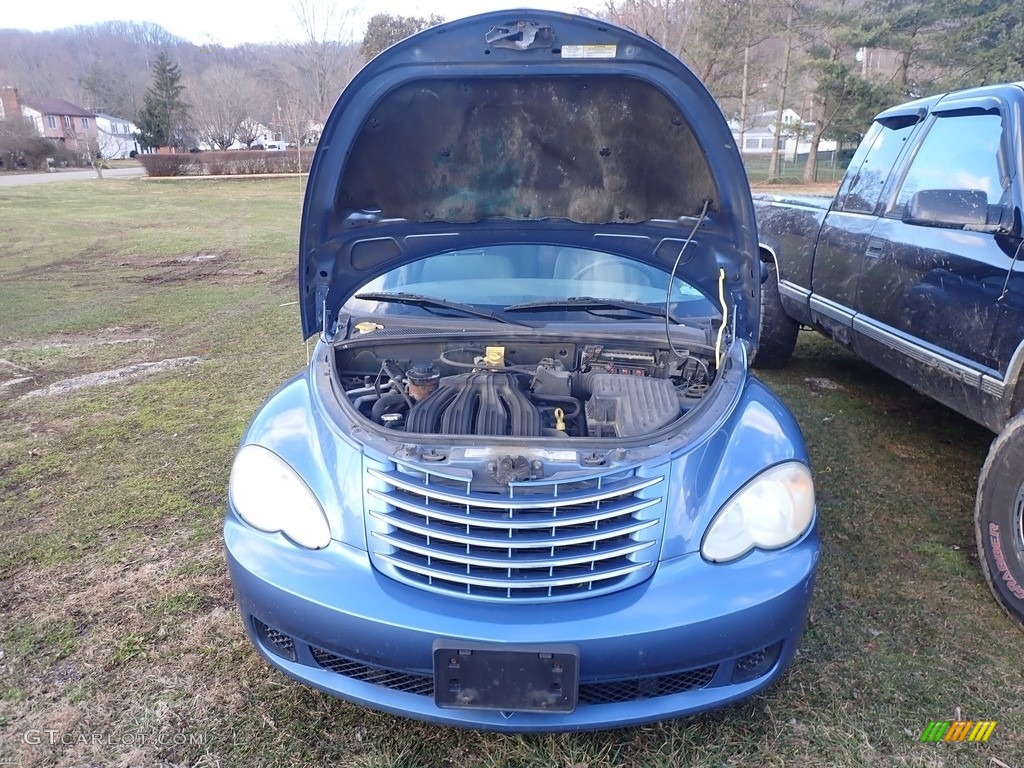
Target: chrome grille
<point>534,540</point>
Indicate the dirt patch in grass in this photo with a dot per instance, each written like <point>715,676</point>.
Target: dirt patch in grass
<point>101,338</point>
<point>222,268</point>
<point>51,365</point>
<point>91,259</point>
<point>121,375</point>
<point>17,382</point>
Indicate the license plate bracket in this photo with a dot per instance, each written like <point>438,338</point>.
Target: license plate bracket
<point>507,677</point>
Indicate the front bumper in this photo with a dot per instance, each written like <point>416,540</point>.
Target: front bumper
<point>686,640</point>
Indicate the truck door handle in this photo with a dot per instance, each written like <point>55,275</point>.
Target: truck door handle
<point>875,246</point>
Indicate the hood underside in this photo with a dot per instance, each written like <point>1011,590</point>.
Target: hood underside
<point>525,126</point>
<point>594,150</point>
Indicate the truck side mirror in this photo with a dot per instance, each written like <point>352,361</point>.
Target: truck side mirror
<point>959,208</point>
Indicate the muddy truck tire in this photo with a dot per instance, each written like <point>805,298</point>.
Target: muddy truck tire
<point>778,330</point>
<point>999,519</point>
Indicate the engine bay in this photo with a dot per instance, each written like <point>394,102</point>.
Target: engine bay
<point>529,389</point>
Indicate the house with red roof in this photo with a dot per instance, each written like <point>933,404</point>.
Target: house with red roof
<point>55,119</point>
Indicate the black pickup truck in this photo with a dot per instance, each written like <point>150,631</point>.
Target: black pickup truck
<point>917,265</point>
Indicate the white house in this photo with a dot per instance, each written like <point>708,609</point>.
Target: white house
<point>116,137</point>
<point>759,135</point>
<point>271,137</point>
<point>265,137</point>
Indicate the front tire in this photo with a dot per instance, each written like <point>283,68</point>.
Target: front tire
<point>778,330</point>
<point>999,519</point>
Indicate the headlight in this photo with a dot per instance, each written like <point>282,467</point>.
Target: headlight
<point>772,510</point>
<point>269,495</point>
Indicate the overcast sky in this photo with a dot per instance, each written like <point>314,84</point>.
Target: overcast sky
<point>234,23</point>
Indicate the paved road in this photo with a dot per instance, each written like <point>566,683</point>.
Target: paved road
<point>24,179</point>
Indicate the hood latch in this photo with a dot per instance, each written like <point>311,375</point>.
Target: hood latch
<point>520,36</point>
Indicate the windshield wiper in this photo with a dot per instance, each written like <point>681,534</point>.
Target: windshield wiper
<point>588,304</point>
<point>430,302</point>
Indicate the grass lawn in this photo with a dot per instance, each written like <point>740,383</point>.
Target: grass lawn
<point>119,640</point>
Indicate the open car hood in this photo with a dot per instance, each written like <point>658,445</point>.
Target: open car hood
<point>526,126</point>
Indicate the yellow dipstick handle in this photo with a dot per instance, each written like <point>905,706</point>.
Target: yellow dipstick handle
<point>559,419</point>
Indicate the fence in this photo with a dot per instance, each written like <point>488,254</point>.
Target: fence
<point>831,167</point>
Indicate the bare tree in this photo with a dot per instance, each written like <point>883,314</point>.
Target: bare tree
<point>113,89</point>
<point>324,56</point>
<point>790,44</point>
<point>222,99</point>
<point>98,149</point>
<point>22,65</point>
<point>248,131</point>
<point>294,111</point>
<point>706,34</point>
<point>294,117</point>
<point>667,22</point>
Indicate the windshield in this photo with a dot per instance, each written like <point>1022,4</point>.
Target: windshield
<point>503,275</point>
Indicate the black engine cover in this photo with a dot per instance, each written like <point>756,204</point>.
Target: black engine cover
<point>483,403</point>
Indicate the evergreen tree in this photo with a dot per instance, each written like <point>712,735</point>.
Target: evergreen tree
<point>384,30</point>
<point>984,42</point>
<point>843,99</point>
<point>162,119</point>
<point>948,44</point>
<point>912,31</point>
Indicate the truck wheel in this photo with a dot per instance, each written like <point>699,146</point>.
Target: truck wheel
<point>778,330</point>
<point>999,519</point>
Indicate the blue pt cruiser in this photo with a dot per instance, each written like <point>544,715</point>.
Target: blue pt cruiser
<point>527,482</point>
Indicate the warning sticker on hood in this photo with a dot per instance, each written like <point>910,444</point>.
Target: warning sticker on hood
<point>588,51</point>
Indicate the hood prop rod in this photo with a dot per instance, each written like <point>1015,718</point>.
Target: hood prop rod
<point>672,276</point>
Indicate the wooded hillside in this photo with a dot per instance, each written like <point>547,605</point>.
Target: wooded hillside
<point>835,62</point>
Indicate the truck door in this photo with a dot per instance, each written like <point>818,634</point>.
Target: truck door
<point>846,231</point>
<point>928,299</point>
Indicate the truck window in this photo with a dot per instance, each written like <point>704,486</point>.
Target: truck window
<point>959,152</point>
<point>872,163</point>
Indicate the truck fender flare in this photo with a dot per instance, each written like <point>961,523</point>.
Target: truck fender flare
<point>1013,385</point>
<point>766,255</point>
